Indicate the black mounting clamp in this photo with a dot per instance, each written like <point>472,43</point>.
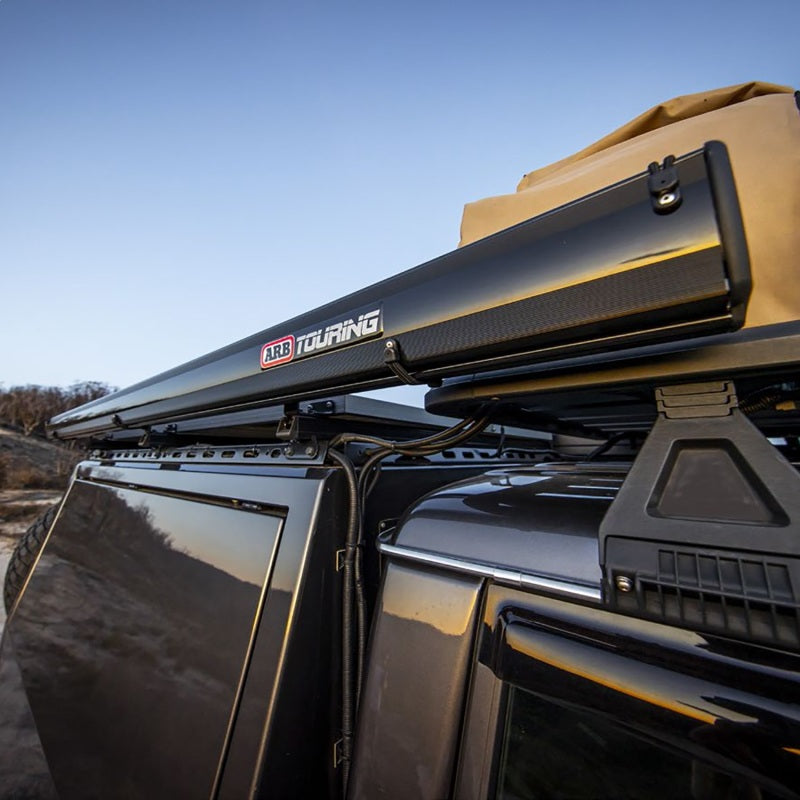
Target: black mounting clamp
<point>288,429</point>
<point>299,443</point>
<point>155,437</point>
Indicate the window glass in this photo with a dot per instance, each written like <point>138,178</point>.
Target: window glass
<point>555,751</point>
<point>132,636</point>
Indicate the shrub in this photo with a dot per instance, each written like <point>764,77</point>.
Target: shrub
<point>10,513</point>
<point>27,477</point>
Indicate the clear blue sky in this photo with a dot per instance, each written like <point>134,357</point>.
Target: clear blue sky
<point>176,175</point>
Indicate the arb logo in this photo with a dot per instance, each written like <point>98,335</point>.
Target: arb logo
<point>278,352</point>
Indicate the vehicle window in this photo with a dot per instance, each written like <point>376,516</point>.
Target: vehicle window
<point>553,751</point>
<point>149,602</point>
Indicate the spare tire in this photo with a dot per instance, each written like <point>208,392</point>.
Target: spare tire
<point>25,553</point>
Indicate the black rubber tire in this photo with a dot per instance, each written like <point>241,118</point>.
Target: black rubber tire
<point>21,561</point>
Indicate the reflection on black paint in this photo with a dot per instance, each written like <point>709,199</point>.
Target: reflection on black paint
<point>23,767</point>
<point>524,502</point>
<point>554,751</point>
<point>131,646</point>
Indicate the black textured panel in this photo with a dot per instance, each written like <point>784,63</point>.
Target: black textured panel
<point>745,597</point>
<point>739,495</point>
<point>685,288</point>
<point>677,288</point>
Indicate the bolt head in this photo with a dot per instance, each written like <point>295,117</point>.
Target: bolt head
<point>624,583</point>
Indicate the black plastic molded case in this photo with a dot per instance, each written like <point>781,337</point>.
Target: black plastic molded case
<point>612,270</point>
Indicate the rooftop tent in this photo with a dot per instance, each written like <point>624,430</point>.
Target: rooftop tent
<point>760,125</point>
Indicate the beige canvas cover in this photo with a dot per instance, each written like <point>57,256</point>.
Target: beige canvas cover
<point>759,123</point>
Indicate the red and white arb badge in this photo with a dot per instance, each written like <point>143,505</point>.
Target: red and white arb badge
<point>278,352</point>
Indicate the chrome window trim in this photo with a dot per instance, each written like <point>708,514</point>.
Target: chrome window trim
<point>506,577</point>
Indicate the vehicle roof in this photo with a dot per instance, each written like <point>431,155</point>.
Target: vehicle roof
<point>540,523</point>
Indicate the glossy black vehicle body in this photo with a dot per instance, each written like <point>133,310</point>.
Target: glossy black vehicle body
<point>675,714</point>
<point>189,602</point>
<point>184,568</point>
<point>193,631</point>
<point>505,568</point>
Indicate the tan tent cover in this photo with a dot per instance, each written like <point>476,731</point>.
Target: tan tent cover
<point>760,124</point>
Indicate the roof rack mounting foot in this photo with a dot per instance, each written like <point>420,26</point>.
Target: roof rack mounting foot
<point>707,523</point>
